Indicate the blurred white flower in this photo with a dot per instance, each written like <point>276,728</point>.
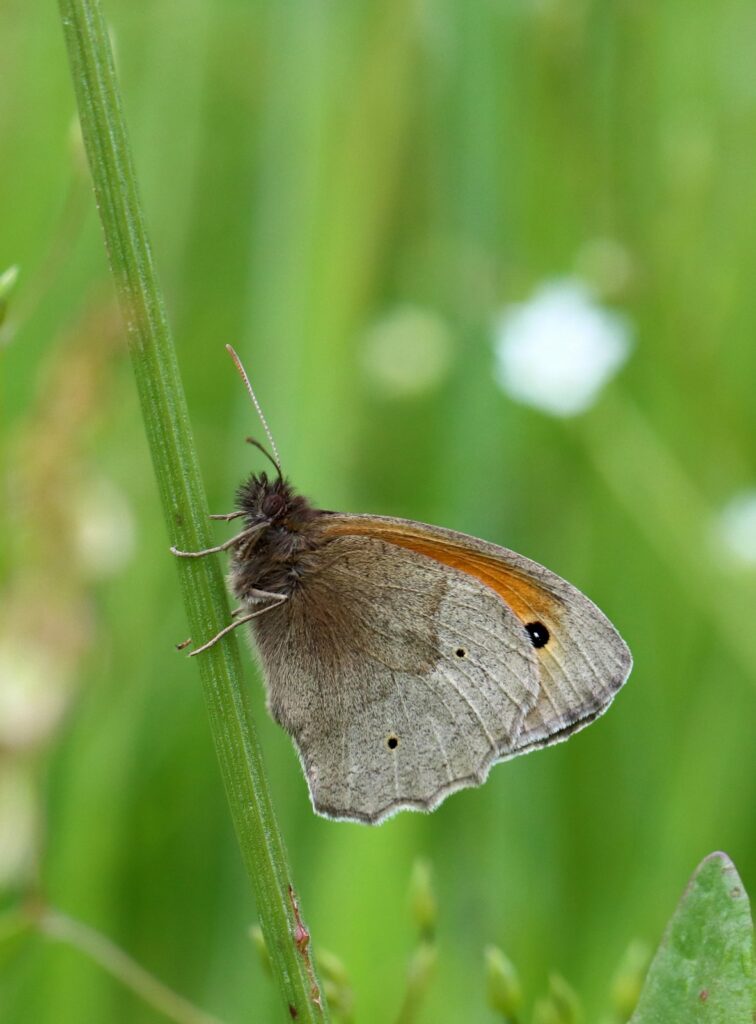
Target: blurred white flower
<point>104,526</point>
<point>735,528</point>
<point>33,695</point>
<point>407,352</point>
<point>557,350</point>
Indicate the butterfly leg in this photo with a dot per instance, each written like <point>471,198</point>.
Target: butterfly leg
<point>279,599</point>
<point>247,534</point>
<point>228,516</point>
<point>254,597</point>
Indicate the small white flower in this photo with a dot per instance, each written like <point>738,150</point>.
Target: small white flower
<point>557,350</point>
<point>735,528</point>
<point>407,352</point>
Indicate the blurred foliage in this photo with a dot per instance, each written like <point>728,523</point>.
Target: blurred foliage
<point>703,970</point>
<point>503,982</point>
<point>321,180</point>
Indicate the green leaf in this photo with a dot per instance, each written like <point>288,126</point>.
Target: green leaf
<point>703,970</point>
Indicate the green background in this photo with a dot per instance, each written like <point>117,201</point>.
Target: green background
<point>307,171</point>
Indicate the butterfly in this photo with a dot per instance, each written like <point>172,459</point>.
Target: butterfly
<point>406,659</point>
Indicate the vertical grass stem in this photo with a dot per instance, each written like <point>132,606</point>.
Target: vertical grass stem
<point>183,499</point>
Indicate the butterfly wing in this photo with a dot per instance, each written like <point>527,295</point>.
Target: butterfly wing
<point>400,679</point>
<point>416,657</point>
<point>582,661</point>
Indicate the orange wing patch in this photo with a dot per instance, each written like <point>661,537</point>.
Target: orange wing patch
<point>528,599</point>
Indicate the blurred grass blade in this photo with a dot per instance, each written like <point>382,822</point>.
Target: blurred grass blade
<point>183,499</point>
<point>121,966</point>
<point>8,281</point>
<point>703,970</point>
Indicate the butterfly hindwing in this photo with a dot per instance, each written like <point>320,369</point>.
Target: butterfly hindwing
<point>399,678</point>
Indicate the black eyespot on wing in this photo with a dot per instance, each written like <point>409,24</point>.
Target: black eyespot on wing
<point>539,635</point>
<point>461,652</point>
<point>392,742</point>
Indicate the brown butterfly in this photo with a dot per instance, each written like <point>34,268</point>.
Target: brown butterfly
<point>405,659</point>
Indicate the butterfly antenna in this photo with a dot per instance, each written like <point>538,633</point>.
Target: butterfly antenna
<point>264,450</point>
<point>276,459</point>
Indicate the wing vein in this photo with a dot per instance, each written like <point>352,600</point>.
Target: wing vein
<point>467,700</point>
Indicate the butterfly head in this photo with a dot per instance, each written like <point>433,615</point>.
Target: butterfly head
<point>273,501</point>
<point>273,558</point>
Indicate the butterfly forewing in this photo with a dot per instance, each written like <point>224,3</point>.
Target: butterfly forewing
<point>581,658</point>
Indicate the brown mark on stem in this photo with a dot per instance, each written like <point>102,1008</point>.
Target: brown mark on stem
<point>302,941</point>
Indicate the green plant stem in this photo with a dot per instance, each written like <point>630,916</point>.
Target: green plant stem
<point>184,503</point>
<point>123,967</point>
